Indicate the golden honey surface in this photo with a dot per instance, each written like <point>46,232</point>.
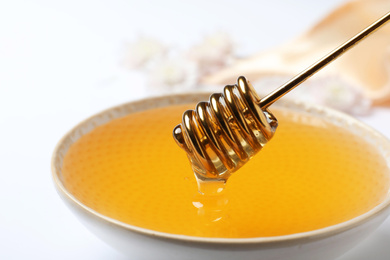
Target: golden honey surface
<point>311,175</point>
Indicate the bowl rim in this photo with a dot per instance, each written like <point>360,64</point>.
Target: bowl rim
<point>296,237</point>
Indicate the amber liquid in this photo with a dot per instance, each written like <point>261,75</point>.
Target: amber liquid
<point>311,175</point>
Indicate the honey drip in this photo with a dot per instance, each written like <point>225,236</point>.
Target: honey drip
<point>221,135</point>
<point>212,208</point>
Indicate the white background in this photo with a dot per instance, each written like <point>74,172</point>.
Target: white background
<point>59,63</point>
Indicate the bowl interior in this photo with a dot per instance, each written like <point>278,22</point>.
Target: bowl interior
<point>380,142</point>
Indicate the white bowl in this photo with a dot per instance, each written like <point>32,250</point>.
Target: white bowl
<point>139,243</point>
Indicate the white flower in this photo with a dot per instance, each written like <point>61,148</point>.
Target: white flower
<point>141,53</point>
<point>332,91</point>
<point>176,70</point>
<point>213,53</point>
<point>173,74</point>
<point>338,93</point>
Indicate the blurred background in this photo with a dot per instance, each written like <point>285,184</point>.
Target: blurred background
<point>62,61</point>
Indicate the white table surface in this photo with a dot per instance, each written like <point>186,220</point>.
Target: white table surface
<point>59,63</point>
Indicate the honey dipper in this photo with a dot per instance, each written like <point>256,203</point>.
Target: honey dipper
<point>221,135</point>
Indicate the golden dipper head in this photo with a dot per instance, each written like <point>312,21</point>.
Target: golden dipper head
<point>221,135</point>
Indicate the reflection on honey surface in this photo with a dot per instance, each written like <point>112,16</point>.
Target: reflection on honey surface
<point>311,175</point>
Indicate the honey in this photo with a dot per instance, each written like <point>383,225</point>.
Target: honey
<point>311,175</point>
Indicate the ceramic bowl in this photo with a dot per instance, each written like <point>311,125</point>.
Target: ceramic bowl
<point>139,243</point>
